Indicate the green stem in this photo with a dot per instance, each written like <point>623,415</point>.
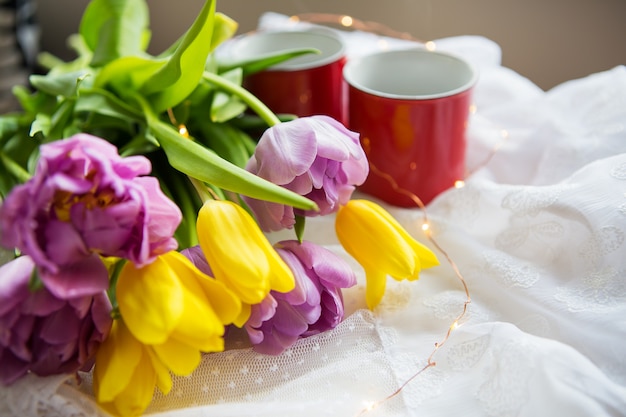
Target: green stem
<point>201,189</point>
<point>14,168</point>
<point>247,97</point>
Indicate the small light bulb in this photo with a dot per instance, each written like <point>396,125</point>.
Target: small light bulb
<point>369,405</point>
<point>430,45</point>
<point>347,21</point>
<point>459,184</point>
<point>425,227</point>
<point>182,129</point>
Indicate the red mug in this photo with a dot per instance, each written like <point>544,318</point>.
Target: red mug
<point>307,85</point>
<point>411,108</point>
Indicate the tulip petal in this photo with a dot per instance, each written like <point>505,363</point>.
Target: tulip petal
<point>86,277</point>
<point>372,239</point>
<point>65,243</point>
<point>163,376</point>
<point>13,368</point>
<point>427,258</point>
<point>243,316</point>
<point>295,155</point>
<point>61,327</point>
<point>138,394</point>
<point>14,290</point>
<point>222,301</point>
<point>179,357</point>
<point>117,358</point>
<point>150,300</point>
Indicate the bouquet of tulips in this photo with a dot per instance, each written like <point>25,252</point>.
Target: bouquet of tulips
<point>135,197</point>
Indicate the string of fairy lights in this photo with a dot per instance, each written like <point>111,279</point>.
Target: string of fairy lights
<point>349,22</point>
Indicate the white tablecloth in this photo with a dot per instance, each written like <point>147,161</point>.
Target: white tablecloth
<point>538,232</point>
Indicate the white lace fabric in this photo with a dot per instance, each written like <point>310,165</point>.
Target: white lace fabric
<point>539,235</point>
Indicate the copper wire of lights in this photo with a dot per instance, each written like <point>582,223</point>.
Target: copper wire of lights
<point>430,362</point>
<point>350,22</point>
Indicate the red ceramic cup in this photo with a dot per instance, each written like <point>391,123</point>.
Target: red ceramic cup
<point>307,85</point>
<point>411,108</point>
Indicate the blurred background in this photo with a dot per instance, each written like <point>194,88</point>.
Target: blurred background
<point>547,41</point>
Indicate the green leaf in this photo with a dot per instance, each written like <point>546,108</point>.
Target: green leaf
<point>64,84</point>
<point>223,29</point>
<point>257,64</point>
<point>127,74</point>
<point>14,168</point>
<point>228,106</point>
<point>253,122</point>
<point>299,226</point>
<point>9,124</point>
<point>60,120</point>
<point>103,102</point>
<point>227,141</point>
<point>205,165</point>
<point>41,124</point>
<point>115,28</point>
<point>173,82</point>
<point>231,108</point>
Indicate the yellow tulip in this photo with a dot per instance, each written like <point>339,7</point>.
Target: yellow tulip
<point>240,255</point>
<point>171,312</point>
<point>382,247</point>
<point>125,373</point>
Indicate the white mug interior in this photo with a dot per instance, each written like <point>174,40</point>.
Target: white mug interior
<point>257,45</point>
<point>410,74</point>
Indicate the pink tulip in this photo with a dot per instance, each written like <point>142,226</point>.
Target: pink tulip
<point>43,334</point>
<point>316,157</point>
<point>314,306</point>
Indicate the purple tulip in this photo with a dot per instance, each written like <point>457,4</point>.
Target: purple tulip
<point>314,306</point>
<point>196,256</point>
<point>85,199</point>
<point>316,157</point>
<point>44,334</point>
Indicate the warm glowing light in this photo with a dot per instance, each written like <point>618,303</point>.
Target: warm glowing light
<point>454,325</point>
<point>294,19</point>
<point>473,108</point>
<point>369,406</point>
<point>425,227</point>
<point>459,184</point>
<point>383,44</point>
<point>430,45</point>
<point>182,129</point>
<point>347,21</point>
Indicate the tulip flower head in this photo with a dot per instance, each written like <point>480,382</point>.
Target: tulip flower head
<point>170,313</point>
<point>239,254</point>
<point>313,306</point>
<point>382,247</point>
<point>85,199</point>
<point>316,157</point>
<point>43,334</point>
